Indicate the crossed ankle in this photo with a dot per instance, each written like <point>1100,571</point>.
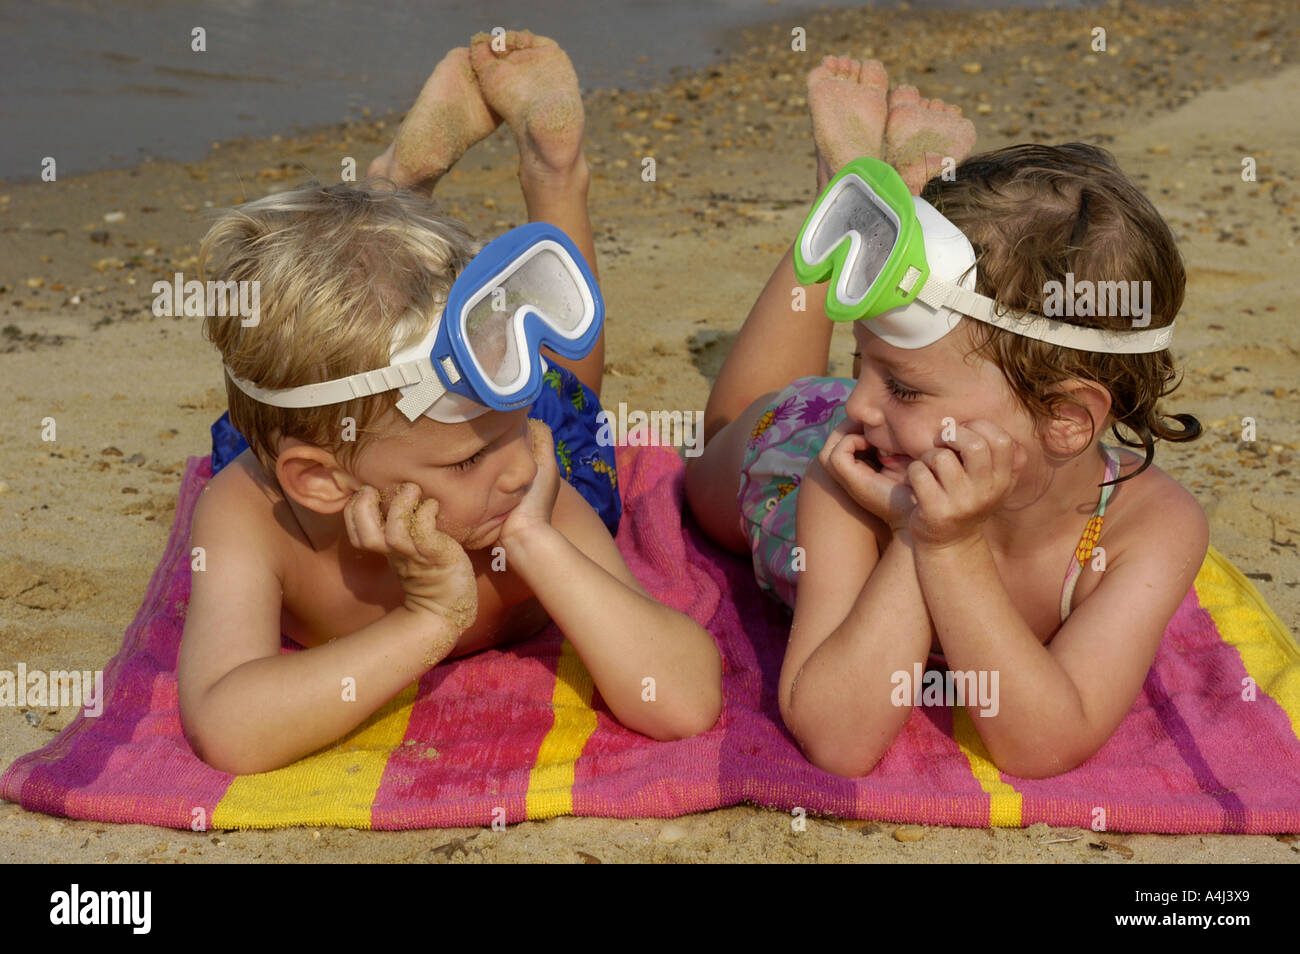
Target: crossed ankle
<point>575,177</point>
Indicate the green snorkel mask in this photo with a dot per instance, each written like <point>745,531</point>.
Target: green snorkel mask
<point>893,258</point>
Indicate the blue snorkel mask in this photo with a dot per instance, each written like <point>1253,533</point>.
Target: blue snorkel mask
<point>527,289</point>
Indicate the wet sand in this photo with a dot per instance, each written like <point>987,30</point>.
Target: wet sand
<point>1181,96</point>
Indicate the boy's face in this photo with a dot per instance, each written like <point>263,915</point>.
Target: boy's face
<point>478,471</point>
<point>904,395</point>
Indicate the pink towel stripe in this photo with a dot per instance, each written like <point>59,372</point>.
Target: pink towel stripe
<point>478,773</point>
<point>99,767</point>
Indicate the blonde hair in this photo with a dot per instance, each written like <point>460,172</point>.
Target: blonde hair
<point>342,270</point>
<point>1034,213</point>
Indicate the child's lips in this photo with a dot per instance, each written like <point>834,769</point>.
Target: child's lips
<point>878,461</point>
<point>899,461</point>
<point>503,514</point>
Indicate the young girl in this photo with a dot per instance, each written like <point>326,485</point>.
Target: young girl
<point>956,501</point>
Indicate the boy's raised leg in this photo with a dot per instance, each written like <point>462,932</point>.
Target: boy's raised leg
<point>448,117</point>
<point>530,82</point>
<point>921,133</point>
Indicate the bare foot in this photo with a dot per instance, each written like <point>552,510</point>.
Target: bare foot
<point>448,117</point>
<point>921,134</point>
<point>847,100</point>
<point>532,85</point>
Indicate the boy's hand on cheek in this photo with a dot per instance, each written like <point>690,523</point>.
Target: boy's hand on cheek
<point>882,494</point>
<point>960,485</point>
<point>536,508</point>
<point>434,569</point>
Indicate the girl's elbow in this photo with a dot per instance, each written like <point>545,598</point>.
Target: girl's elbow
<point>829,750</point>
<point>836,758</point>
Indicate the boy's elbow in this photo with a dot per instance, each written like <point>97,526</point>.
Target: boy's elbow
<point>213,752</point>
<point>218,750</point>
<point>1036,764</point>
<point>1034,768</point>
<point>690,721</point>
<point>703,710</point>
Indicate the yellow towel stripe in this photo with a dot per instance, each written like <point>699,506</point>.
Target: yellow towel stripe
<point>334,787</point>
<point>1004,800</point>
<point>550,783</point>
<point>1244,619</point>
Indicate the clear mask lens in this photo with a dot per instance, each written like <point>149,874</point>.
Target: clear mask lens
<point>854,208</point>
<point>543,282</point>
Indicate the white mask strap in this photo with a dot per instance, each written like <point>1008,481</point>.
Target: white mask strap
<point>938,293</point>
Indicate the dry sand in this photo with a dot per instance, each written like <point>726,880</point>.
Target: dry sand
<point>1181,96</point>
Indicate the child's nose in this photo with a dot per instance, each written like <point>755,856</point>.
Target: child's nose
<point>520,469</point>
<point>862,406</point>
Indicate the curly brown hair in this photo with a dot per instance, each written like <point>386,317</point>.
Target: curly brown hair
<point>1035,213</point>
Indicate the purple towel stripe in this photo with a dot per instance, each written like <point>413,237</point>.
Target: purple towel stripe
<point>1234,812</point>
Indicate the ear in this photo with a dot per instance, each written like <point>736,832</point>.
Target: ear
<point>1080,418</point>
<point>313,477</point>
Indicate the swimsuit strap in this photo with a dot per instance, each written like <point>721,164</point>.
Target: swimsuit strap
<point>1091,533</point>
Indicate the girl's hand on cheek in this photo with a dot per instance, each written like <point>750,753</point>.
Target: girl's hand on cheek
<point>884,495</point>
<point>538,505</point>
<point>960,485</point>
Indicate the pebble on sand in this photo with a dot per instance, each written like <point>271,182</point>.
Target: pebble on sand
<point>671,832</point>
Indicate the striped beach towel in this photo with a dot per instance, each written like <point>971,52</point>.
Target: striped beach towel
<point>1211,744</point>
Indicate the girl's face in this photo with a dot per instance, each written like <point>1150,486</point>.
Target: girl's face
<point>478,471</point>
<point>904,399</point>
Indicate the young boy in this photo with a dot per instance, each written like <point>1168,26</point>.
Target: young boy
<point>382,554</point>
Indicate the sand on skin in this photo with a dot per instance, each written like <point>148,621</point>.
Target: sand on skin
<point>83,521</point>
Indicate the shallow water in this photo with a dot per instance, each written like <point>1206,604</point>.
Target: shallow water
<point>101,87</point>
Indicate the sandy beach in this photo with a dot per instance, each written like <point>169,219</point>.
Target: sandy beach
<point>1182,95</point>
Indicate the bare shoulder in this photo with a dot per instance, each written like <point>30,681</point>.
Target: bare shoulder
<point>237,521</point>
<point>235,589</point>
<point>1154,514</point>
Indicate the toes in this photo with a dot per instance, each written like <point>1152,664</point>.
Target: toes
<point>480,50</point>
<point>827,68</point>
<point>873,73</point>
<point>903,95</point>
<point>517,40</point>
<point>530,40</point>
